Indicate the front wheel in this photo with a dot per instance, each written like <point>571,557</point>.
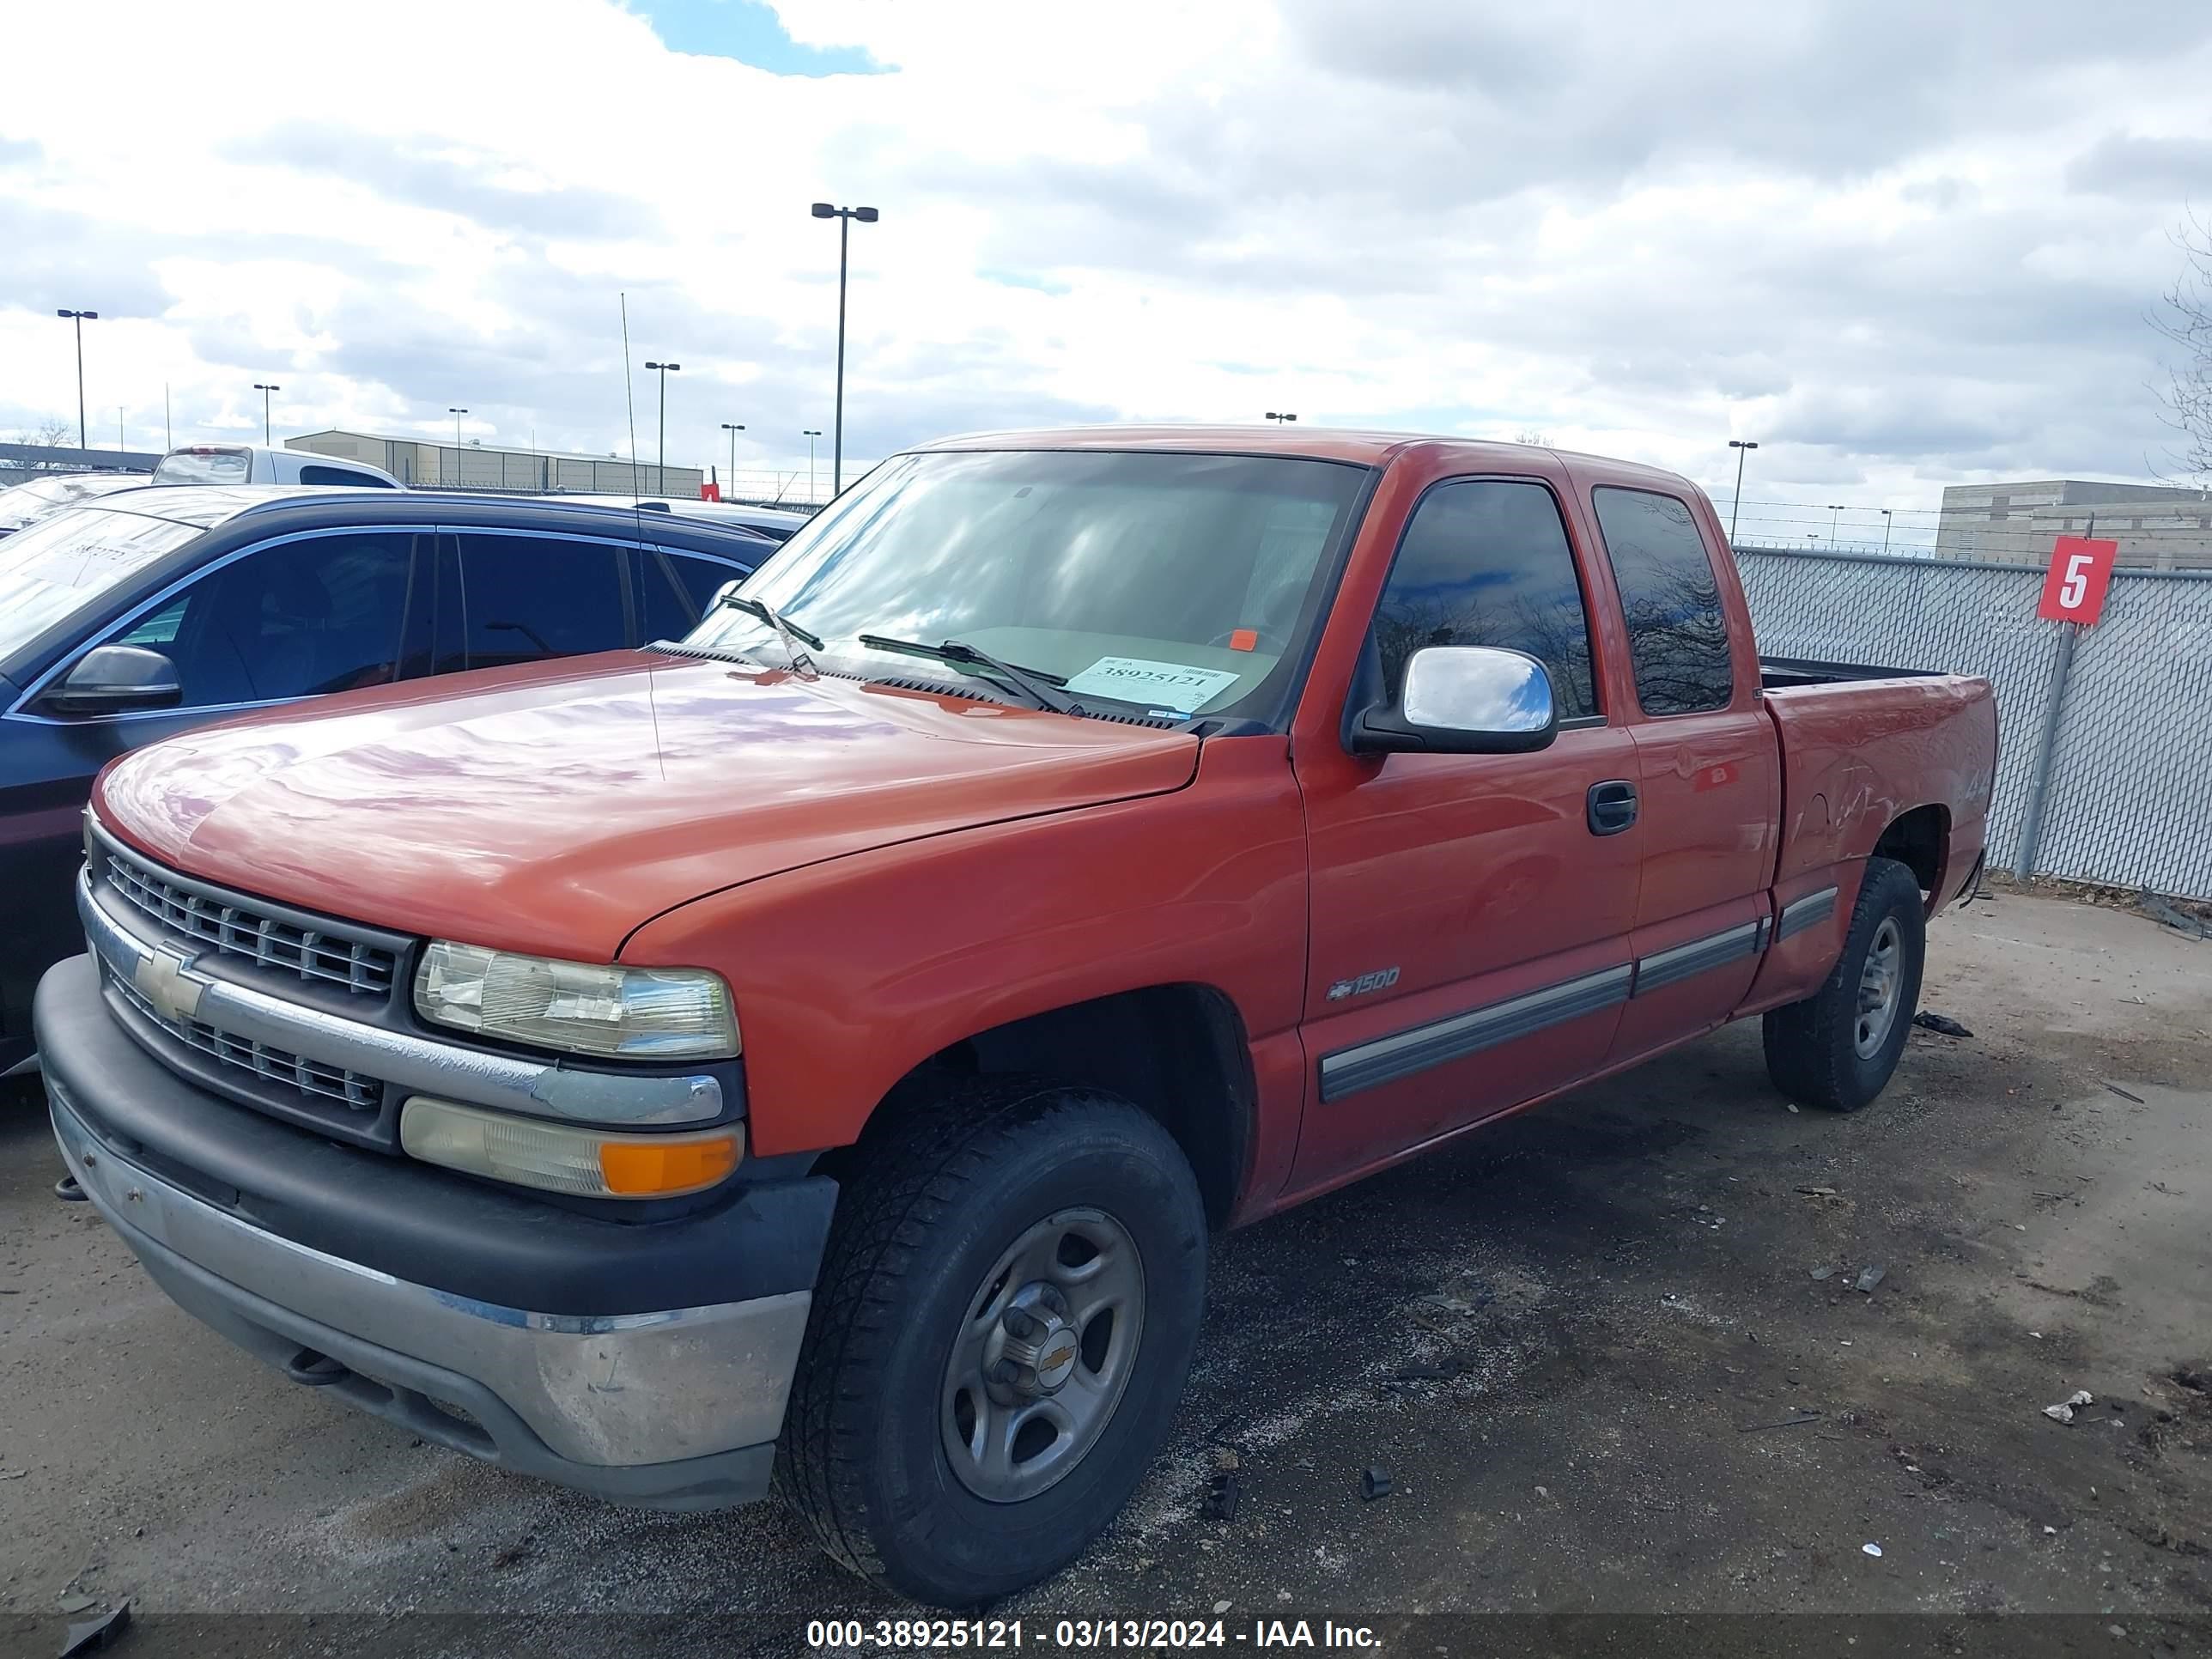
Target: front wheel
<point>1839,1047</point>
<point>1006,1313</point>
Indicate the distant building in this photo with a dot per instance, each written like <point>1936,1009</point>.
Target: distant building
<point>2157,525</point>
<point>512,471</point>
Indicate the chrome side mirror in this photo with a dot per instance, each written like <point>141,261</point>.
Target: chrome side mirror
<point>115,679</point>
<point>1463,700</point>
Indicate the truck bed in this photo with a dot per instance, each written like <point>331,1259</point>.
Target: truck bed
<point>1776,673</point>
<point>1862,747</point>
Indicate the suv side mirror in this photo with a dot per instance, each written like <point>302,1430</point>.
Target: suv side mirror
<point>115,679</point>
<point>1463,700</point>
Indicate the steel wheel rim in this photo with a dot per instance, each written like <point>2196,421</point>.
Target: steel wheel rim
<point>1018,1410</point>
<point>1879,980</point>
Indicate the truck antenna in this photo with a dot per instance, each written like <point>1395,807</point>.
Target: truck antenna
<point>635,493</point>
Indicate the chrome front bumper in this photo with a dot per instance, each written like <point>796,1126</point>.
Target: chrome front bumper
<point>673,1409</point>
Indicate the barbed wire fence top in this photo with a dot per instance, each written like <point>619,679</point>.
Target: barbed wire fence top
<point>2127,801</point>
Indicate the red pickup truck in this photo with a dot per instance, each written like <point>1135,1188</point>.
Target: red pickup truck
<point>815,1054</point>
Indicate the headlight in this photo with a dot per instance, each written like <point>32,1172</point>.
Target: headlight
<point>628,1014</point>
<point>593,1162</point>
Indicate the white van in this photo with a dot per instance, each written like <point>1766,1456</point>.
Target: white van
<point>240,464</point>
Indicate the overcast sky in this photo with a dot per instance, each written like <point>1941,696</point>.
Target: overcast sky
<point>1900,245</point>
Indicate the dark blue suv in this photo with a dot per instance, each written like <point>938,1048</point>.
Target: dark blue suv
<point>154,609</point>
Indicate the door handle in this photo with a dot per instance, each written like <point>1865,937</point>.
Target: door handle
<point>1612,806</point>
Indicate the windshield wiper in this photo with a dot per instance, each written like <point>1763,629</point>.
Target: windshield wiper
<point>1038,685</point>
<point>789,632</point>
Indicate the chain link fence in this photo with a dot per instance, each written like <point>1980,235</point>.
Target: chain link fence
<point>2104,748</point>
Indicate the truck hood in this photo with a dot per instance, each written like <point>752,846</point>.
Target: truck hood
<point>556,808</point>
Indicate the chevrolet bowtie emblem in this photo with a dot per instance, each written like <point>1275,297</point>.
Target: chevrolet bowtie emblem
<point>163,980</point>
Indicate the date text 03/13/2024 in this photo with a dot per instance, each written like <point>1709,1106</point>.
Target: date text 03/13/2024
<point>943,1635</point>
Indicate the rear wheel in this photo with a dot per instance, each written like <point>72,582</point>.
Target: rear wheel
<point>1006,1313</point>
<point>1839,1047</point>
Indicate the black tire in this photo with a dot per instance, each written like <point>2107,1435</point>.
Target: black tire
<point>1812,1046</point>
<point>924,1214</point>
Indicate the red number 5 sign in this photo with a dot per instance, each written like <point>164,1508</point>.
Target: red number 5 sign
<point>2081,571</point>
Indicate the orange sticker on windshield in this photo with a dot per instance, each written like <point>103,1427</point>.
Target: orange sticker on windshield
<point>1244,639</point>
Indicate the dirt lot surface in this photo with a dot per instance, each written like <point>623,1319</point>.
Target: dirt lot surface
<point>1614,1356</point>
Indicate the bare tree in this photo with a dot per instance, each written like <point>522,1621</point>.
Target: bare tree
<point>2186,324</point>
<point>1534,436</point>
<point>47,434</point>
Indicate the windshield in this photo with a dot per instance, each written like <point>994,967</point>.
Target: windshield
<point>1174,584</point>
<point>205,465</point>
<point>28,502</point>
<point>68,563</point>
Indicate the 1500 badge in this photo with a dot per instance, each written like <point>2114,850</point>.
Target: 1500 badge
<point>1381,980</point>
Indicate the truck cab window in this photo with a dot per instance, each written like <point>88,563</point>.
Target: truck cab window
<point>1678,636</point>
<point>345,476</point>
<point>1487,562</point>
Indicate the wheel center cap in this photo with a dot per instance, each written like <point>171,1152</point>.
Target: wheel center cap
<point>1038,1350</point>
<point>1056,1363</point>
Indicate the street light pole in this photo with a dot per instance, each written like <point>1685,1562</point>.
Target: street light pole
<point>1280,419</point>
<point>265,391</point>
<point>809,433</point>
<point>844,216</point>
<point>456,414</point>
<point>1885,530</point>
<point>1834,512</point>
<point>733,431</point>
<point>663,370</point>
<point>80,317</point>
<point>1743,446</point>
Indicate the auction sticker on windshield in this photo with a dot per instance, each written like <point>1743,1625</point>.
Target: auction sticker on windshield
<point>1168,684</point>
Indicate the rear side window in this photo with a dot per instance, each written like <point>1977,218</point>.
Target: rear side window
<point>1487,562</point>
<point>528,598</point>
<point>344,476</point>
<point>1678,637</point>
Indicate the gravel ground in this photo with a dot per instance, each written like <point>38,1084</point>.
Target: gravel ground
<point>1613,1355</point>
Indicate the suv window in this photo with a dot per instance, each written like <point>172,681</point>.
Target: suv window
<point>291,620</point>
<point>1678,637</point>
<point>1487,562</point>
<point>345,477</point>
<point>528,598</point>
<point>678,588</point>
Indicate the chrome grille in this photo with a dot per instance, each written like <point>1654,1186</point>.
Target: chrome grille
<point>353,1089</point>
<point>312,953</point>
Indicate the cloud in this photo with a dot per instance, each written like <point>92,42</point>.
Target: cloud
<point>1838,228</point>
<point>498,192</point>
<point>2159,169</point>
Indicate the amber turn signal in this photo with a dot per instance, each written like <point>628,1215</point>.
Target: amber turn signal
<point>643,1168</point>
